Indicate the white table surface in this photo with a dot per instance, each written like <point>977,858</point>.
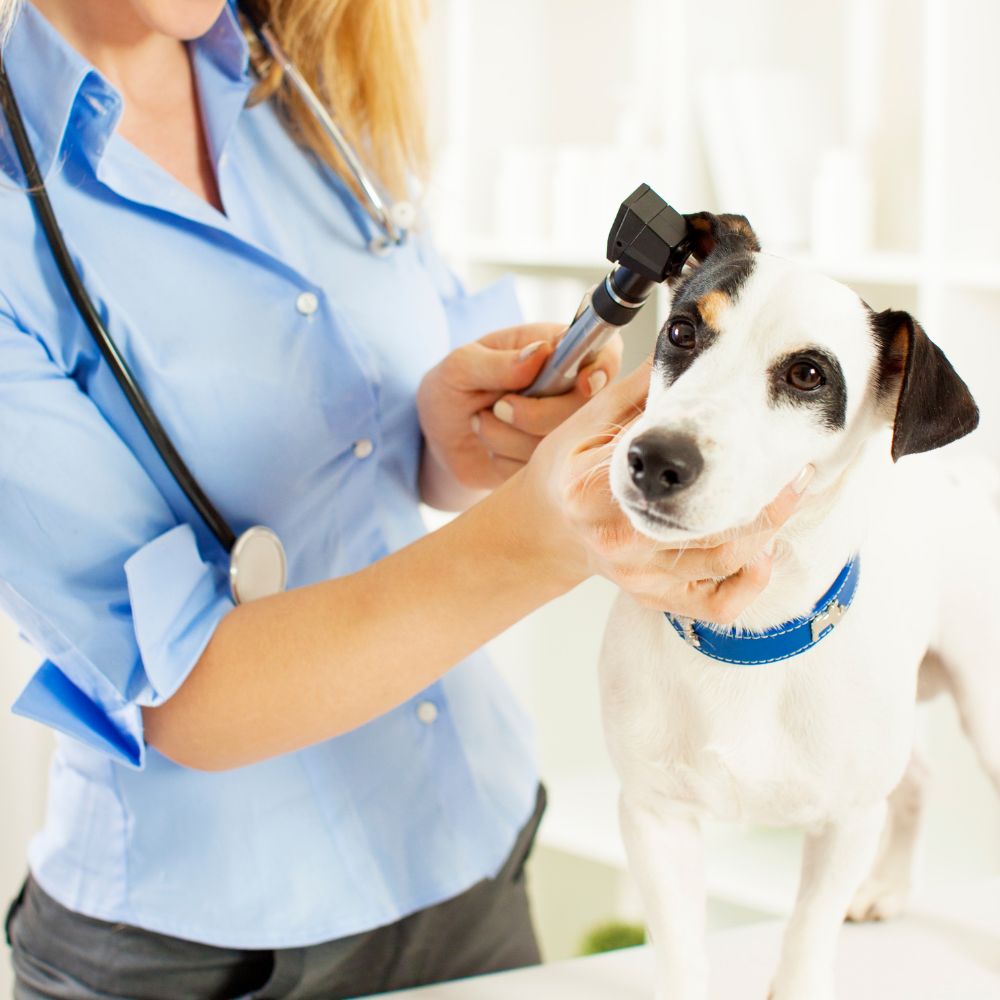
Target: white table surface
<point>947,948</point>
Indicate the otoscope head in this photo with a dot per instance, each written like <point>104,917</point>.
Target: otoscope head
<point>648,236</point>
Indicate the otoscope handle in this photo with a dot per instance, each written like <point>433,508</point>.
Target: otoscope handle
<point>612,304</point>
<point>587,334</point>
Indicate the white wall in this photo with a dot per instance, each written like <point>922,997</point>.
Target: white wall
<point>547,112</point>
<point>24,754</point>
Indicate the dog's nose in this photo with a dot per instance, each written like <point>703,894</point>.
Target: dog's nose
<point>661,463</point>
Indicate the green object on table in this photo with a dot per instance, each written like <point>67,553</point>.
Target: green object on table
<point>611,936</point>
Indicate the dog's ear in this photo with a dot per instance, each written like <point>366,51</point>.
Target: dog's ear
<point>929,404</point>
<point>725,233</point>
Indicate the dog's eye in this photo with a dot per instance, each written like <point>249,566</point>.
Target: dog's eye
<point>805,376</point>
<point>682,334</point>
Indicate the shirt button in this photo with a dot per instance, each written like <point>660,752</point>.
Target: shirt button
<point>363,448</point>
<point>427,712</point>
<point>307,303</point>
<point>223,159</point>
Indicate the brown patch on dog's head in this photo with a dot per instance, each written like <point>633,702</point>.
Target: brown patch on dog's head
<point>711,305</point>
<point>724,233</point>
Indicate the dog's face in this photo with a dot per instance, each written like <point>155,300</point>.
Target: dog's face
<point>761,368</point>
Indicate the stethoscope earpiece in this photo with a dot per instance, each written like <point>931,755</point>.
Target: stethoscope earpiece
<point>379,246</point>
<point>404,215</point>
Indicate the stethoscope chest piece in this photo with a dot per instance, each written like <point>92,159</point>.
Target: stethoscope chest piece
<point>257,565</point>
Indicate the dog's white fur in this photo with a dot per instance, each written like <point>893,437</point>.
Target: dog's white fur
<point>824,740</point>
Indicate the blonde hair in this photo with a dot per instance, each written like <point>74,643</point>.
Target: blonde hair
<point>8,11</point>
<point>361,57</point>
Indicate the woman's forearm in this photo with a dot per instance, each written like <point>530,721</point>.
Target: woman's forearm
<point>304,666</point>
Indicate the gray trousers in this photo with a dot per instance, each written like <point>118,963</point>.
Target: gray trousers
<point>61,954</point>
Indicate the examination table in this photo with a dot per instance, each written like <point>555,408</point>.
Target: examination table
<point>947,948</point>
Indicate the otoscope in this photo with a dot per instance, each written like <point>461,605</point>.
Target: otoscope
<point>649,242</point>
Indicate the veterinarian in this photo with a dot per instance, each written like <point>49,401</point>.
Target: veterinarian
<point>327,792</point>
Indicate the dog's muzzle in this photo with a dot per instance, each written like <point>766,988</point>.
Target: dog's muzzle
<point>661,464</point>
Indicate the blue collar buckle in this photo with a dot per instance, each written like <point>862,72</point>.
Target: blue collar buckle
<point>779,642</point>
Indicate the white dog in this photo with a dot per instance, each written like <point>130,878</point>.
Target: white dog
<point>803,713</point>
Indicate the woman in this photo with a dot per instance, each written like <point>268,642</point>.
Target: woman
<point>326,792</point>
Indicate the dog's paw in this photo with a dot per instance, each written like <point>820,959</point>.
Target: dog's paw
<point>879,898</point>
<point>682,989</point>
<point>685,993</point>
<point>802,990</point>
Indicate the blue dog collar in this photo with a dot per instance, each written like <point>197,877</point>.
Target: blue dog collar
<point>780,642</point>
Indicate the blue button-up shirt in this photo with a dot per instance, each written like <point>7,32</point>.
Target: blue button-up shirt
<point>270,342</point>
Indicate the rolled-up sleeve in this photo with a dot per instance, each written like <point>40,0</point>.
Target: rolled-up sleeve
<point>94,568</point>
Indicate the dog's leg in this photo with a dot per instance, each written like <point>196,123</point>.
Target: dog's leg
<point>884,893</point>
<point>834,860</point>
<point>978,701</point>
<point>667,860</point>
<point>968,640</point>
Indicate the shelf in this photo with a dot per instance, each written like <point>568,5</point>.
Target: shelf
<point>877,267</point>
<point>539,257</point>
<point>748,867</point>
<point>973,275</point>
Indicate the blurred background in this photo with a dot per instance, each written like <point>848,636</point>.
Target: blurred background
<point>859,136</point>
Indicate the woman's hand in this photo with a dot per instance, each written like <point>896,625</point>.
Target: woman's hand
<point>476,428</point>
<point>568,478</point>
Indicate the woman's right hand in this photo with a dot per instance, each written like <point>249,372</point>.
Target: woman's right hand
<point>589,533</point>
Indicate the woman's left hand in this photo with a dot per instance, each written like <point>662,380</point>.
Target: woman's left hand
<point>476,427</point>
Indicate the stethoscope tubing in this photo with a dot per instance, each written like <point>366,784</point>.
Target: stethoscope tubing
<point>257,561</point>
<point>141,406</point>
<point>376,205</point>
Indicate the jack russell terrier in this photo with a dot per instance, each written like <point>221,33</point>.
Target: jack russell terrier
<point>884,590</point>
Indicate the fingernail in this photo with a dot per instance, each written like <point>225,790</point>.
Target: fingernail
<point>475,423</point>
<point>597,381</point>
<point>526,352</point>
<point>803,479</point>
<point>502,410</point>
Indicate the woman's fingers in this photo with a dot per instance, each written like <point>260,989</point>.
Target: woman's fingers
<point>542,415</point>
<point>538,416</point>
<point>728,557</point>
<point>479,368</point>
<point>503,440</point>
<point>518,337</point>
<point>781,508</point>
<point>719,602</point>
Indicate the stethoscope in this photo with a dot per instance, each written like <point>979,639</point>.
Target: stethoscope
<point>257,563</point>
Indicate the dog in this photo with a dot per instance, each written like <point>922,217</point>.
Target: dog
<point>802,714</point>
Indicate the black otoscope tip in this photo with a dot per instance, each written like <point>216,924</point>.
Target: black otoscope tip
<point>648,236</point>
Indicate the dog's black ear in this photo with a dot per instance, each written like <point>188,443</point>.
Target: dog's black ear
<point>725,233</point>
<point>933,406</point>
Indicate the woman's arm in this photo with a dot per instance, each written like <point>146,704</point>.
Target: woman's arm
<point>337,654</point>
<point>300,667</point>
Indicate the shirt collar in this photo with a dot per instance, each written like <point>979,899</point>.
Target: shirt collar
<point>74,92</point>
<point>225,46</point>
